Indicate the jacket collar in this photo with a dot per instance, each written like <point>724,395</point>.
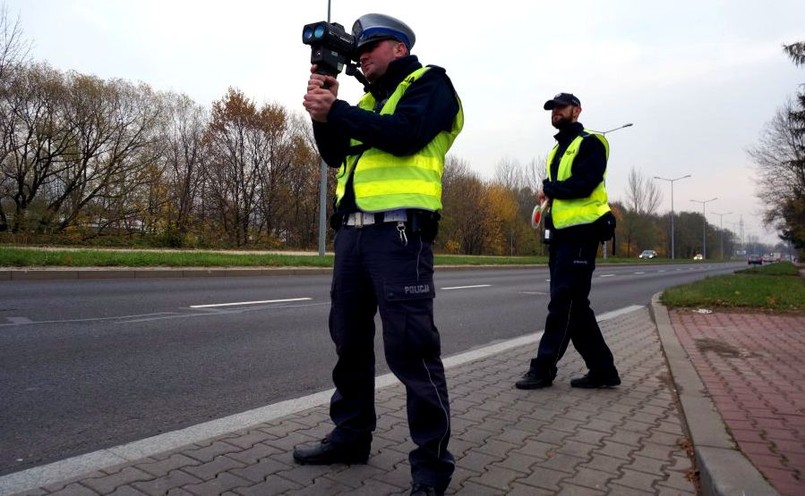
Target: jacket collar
<point>396,72</point>
<point>569,133</point>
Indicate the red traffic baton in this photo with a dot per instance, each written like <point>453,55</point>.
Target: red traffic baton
<point>537,214</point>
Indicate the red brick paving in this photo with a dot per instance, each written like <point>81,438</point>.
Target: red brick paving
<point>753,367</point>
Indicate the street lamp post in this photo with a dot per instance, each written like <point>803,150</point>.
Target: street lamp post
<point>721,227</point>
<point>704,224</point>
<point>323,190</point>
<point>628,124</point>
<point>672,208</point>
<point>604,133</point>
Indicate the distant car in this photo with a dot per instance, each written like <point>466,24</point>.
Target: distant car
<point>647,254</point>
<point>754,260</point>
<point>698,256</point>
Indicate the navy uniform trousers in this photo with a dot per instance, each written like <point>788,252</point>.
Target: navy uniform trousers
<point>377,267</point>
<point>571,263</point>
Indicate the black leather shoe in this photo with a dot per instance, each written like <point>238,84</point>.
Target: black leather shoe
<point>424,490</point>
<point>327,453</point>
<point>590,381</point>
<point>530,380</point>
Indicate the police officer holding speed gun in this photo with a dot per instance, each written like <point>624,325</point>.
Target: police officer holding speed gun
<point>389,150</point>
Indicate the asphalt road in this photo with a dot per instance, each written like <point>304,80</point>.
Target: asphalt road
<point>86,365</point>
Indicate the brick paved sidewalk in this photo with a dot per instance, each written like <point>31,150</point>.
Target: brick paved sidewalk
<point>753,367</point>
<point>624,441</point>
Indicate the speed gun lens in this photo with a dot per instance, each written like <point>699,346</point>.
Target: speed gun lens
<point>313,33</point>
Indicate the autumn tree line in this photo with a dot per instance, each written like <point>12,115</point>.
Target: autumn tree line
<point>93,161</point>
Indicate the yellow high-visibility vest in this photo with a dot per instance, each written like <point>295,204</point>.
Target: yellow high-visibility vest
<point>383,181</point>
<point>566,213</point>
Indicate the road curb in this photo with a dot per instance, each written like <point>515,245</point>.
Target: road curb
<point>723,469</point>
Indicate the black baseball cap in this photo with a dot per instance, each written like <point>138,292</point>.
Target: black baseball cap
<point>562,99</point>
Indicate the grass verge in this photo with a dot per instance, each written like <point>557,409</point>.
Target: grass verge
<point>70,257</point>
<point>62,257</point>
<point>774,288</point>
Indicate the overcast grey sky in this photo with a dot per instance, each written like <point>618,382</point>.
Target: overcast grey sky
<point>699,79</point>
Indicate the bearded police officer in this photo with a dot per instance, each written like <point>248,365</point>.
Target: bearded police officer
<point>578,221</point>
<point>389,150</point>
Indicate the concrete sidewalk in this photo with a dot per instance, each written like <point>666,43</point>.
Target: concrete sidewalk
<point>632,440</point>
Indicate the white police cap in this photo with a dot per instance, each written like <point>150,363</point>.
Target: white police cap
<point>372,27</point>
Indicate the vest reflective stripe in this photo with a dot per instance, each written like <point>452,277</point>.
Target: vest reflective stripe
<point>383,181</point>
<point>566,213</point>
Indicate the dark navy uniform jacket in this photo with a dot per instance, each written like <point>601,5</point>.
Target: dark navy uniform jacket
<point>428,107</point>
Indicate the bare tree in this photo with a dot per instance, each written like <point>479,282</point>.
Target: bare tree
<point>280,148</point>
<point>642,195</point>
<point>509,174</point>
<point>636,227</point>
<point>35,139</point>
<point>235,145</point>
<point>14,48</point>
<point>303,179</point>
<point>176,188</point>
<point>535,172</point>
<point>102,183</point>
<point>796,52</point>
<point>75,149</point>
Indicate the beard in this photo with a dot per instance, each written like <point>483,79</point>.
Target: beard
<point>562,122</point>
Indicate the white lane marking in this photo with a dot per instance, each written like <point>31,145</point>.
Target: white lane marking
<point>75,321</point>
<point>240,303</point>
<point>607,275</point>
<point>639,273</point>
<point>149,317</point>
<point>136,450</point>
<point>467,287</point>
<point>19,320</point>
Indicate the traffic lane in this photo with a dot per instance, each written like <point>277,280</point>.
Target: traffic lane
<point>84,299</point>
<point>69,390</point>
<point>98,299</point>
